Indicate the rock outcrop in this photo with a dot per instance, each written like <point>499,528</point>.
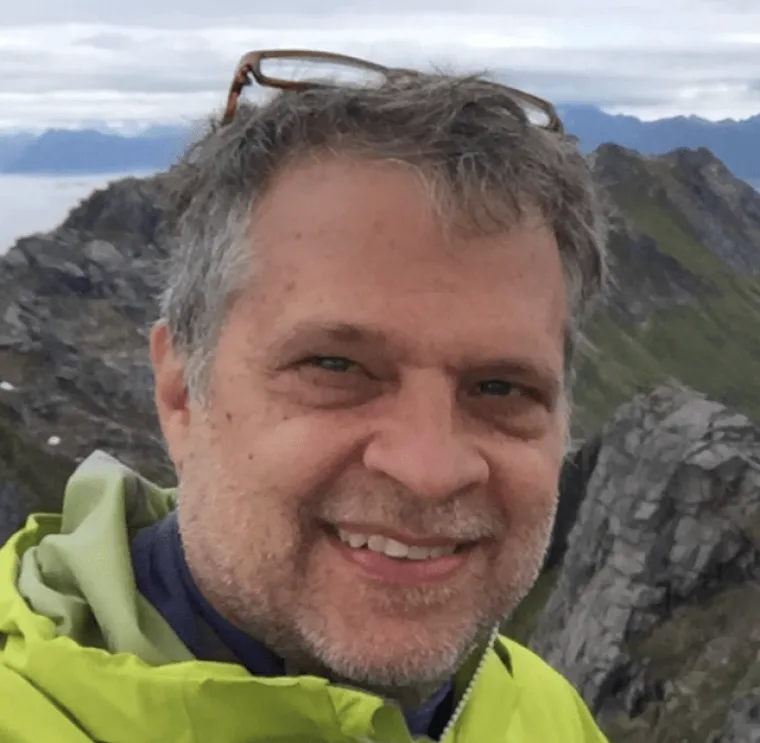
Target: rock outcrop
<point>31,477</point>
<point>654,613</point>
<point>75,311</point>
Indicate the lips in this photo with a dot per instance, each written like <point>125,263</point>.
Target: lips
<point>395,558</point>
<point>394,548</point>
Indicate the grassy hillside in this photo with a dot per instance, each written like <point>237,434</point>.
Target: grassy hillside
<point>710,342</point>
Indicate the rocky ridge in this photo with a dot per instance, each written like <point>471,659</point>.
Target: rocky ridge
<point>653,609</point>
<point>685,254</point>
<point>75,311</point>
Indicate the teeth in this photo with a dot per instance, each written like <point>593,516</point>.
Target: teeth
<point>391,547</point>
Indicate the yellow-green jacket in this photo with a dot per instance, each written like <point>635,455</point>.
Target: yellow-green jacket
<point>84,657</point>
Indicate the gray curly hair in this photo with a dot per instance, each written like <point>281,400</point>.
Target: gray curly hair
<point>485,164</point>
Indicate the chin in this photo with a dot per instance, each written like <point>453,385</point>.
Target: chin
<point>385,635</point>
<point>387,652</point>
<point>376,668</point>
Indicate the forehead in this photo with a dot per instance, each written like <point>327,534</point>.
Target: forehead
<point>359,243</point>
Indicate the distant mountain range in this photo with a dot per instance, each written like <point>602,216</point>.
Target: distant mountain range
<point>735,143</point>
<point>57,151</point>
<point>89,151</point>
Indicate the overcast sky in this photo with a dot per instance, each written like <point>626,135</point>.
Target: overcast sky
<point>133,62</point>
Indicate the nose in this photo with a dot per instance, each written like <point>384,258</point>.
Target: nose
<point>422,444</point>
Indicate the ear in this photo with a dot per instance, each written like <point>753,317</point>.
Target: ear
<point>171,395</point>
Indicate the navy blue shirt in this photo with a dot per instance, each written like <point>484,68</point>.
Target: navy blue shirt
<point>163,577</point>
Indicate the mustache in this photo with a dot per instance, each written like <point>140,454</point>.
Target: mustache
<point>462,518</point>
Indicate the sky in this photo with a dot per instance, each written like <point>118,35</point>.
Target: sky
<point>133,63</point>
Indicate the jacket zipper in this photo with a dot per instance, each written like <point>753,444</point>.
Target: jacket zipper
<point>457,713</point>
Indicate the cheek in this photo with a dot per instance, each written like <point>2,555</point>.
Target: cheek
<point>243,534</point>
<point>294,456</point>
<point>259,475</point>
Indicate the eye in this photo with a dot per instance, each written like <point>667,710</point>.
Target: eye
<point>330,382</point>
<point>498,388</point>
<point>331,363</point>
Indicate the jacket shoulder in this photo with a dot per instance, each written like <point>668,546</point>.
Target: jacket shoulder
<point>550,695</point>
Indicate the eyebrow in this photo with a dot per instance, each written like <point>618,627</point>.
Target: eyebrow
<point>339,332</point>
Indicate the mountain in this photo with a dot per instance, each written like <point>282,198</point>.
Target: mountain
<point>648,599</point>
<point>90,151</point>
<point>75,307</point>
<point>735,143</point>
<point>685,253</point>
<point>12,145</point>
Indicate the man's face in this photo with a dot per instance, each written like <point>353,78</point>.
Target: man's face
<point>372,482</point>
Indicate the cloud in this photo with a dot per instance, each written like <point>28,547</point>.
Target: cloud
<point>147,61</point>
<point>191,12</point>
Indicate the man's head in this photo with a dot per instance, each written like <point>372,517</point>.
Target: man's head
<point>365,346</point>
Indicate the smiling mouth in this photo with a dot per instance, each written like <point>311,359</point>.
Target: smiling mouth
<point>392,558</point>
<point>396,548</point>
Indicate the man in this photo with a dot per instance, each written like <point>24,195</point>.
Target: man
<point>361,368</point>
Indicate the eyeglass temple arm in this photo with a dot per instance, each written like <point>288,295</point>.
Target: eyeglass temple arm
<point>242,78</point>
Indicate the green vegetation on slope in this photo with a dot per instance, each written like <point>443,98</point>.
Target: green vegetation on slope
<point>711,344</point>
